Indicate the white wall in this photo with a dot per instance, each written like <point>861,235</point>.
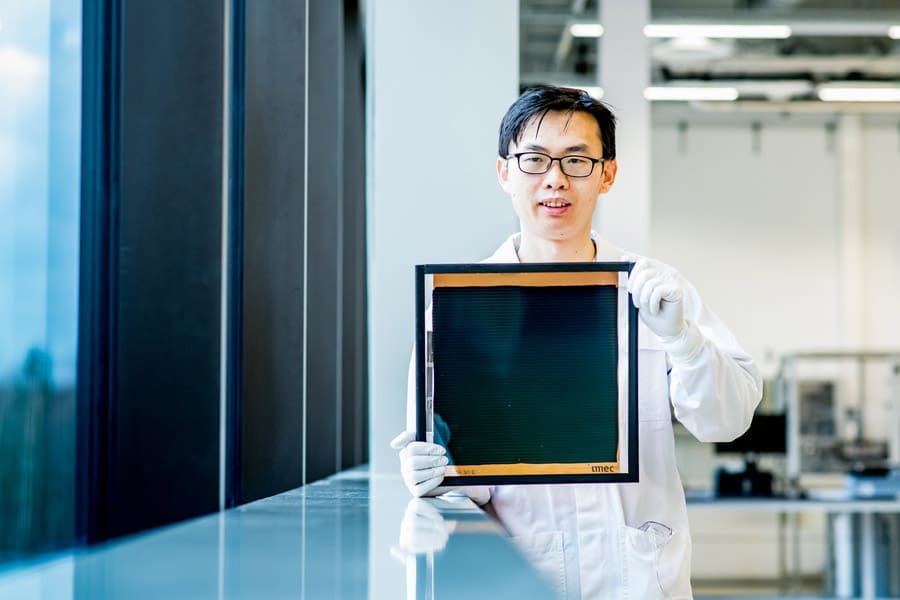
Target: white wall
<point>881,226</point>
<point>441,75</point>
<point>756,225</point>
<point>758,231</point>
<point>622,215</point>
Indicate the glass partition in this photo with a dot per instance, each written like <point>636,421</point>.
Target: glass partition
<point>40,124</point>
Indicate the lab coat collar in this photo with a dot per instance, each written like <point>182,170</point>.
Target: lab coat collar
<point>507,252</point>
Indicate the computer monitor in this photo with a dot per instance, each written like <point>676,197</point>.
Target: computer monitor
<point>767,435</point>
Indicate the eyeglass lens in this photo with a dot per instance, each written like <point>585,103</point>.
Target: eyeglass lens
<point>536,163</point>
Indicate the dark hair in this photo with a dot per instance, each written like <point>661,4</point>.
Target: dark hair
<point>539,100</point>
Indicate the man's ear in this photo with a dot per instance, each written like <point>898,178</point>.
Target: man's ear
<point>503,172</point>
<point>610,167</point>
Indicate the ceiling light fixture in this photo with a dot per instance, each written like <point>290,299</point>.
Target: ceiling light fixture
<point>586,29</point>
<point>894,32</point>
<point>718,31</point>
<point>858,93</point>
<point>687,94</point>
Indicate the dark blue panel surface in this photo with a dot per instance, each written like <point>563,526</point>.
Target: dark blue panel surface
<point>527,374</point>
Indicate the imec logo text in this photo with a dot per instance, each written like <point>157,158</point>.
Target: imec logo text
<point>602,469</point>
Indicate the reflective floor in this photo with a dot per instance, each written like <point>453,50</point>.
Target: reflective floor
<point>345,537</point>
<point>350,536</point>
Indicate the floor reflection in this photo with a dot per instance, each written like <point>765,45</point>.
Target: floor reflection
<point>343,537</point>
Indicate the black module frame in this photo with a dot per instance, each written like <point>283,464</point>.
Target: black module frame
<point>422,271</point>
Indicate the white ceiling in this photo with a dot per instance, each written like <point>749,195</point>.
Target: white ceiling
<point>832,41</point>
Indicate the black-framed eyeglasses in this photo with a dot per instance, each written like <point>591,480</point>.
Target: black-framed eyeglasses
<point>537,163</point>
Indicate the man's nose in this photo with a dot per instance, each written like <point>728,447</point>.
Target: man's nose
<point>554,178</point>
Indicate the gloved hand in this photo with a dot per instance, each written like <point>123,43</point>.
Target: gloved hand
<point>423,464</point>
<point>658,293</point>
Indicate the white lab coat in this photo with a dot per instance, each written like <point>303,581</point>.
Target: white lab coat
<point>587,538</point>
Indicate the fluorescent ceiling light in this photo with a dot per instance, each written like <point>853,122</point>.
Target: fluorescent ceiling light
<point>858,93</point>
<point>686,94</point>
<point>894,32</point>
<point>718,31</point>
<point>780,90</point>
<point>586,29</point>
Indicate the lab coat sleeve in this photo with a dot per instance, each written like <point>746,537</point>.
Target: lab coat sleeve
<point>716,387</point>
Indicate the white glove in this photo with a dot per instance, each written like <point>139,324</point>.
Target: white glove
<point>423,465</point>
<point>658,293</point>
<point>423,528</point>
<point>659,296</point>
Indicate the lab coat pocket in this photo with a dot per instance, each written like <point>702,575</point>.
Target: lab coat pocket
<point>640,550</point>
<point>545,552</point>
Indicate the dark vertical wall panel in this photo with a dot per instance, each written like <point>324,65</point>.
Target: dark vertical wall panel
<point>168,263</point>
<point>354,362</point>
<point>326,197</point>
<point>101,99</point>
<point>273,248</point>
<point>149,353</point>
<point>148,396</point>
<point>234,343</point>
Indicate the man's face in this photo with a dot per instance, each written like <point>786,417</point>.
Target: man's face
<point>554,206</point>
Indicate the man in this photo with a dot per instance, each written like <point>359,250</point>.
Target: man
<point>556,156</point>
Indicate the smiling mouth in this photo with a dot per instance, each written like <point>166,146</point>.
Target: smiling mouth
<point>554,203</point>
